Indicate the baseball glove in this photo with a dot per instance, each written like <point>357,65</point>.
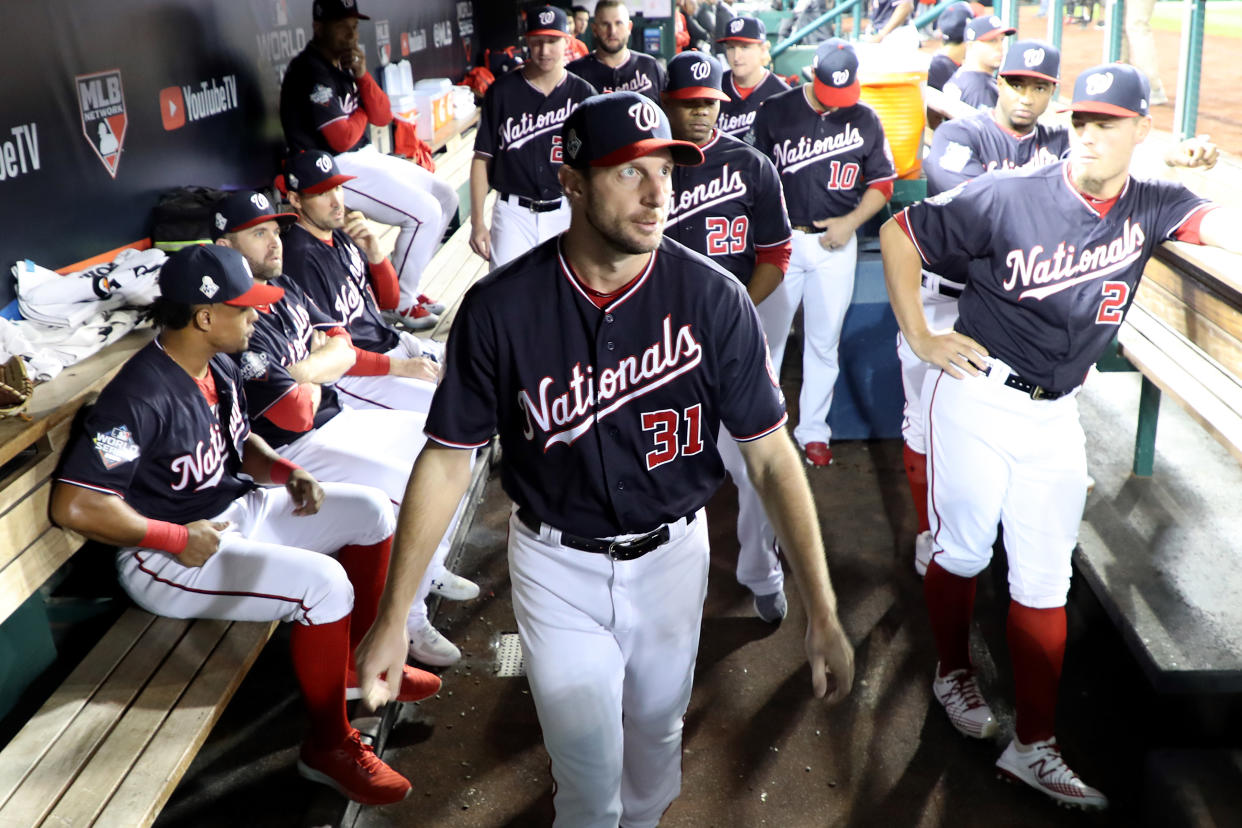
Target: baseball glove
<point>15,387</point>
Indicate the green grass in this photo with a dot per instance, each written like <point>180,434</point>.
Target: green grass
<point>1224,18</point>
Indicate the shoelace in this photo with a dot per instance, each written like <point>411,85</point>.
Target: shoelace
<point>965,689</point>
<point>1049,755</point>
<point>367,759</point>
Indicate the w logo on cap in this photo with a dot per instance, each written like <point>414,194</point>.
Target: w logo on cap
<point>221,221</point>
<point>324,163</point>
<point>209,288</point>
<point>646,117</point>
<point>841,77</point>
<point>736,24</point>
<point>259,201</point>
<point>546,17</point>
<point>700,70</point>
<point>1099,83</point>
<point>1033,57</point>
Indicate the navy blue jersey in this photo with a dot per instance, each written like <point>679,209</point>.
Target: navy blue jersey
<point>280,339</point>
<point>881,11</point>
<point>729,205</point>
<point>606,417</point>
<point>977,89</point>
<point>313,94</point>
<point>737,115</point>
<point>641,73</point>
<point>826,161</point>
<point>152,440</point>
<point>520,133</point>
<point>940,70</point>
<point>1050,279</point>
<point>335,277</point>
<point>968,147</point>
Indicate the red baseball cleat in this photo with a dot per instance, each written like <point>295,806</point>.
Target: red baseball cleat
<point>353,769</point>
<point>416,685</point>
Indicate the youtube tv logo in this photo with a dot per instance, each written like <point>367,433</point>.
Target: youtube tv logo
<point>172,107</point>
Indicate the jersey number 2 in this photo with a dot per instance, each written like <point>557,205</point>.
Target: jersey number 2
<point>1112,306</point>
<point>666,425</point>
<point>725,237</point>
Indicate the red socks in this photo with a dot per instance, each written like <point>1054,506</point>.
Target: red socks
<point>950,605</point>
<point>916,473</point>
<point>367,568</point>
<point>1037,647</point>
<point>320,653</point>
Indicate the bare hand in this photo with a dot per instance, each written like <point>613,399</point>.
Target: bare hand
<point>304,491</point>
<point>316,395</point>
<point>837,232</point>
<point>356,61</point>
<point>831,657</point>
<point>317,340</point>
<point>481,241</point>
<point>956,353</point>
<point>203,541</point>
<point>1198,152</point>
<point>415,368</point>
<point>360,231</point>
<point>381,652</point>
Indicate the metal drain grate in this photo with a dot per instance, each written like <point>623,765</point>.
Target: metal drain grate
<point>510,662</point>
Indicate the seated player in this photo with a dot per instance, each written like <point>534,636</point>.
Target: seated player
<point>167,469</point>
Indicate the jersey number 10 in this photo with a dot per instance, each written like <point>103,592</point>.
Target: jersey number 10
<point>842,176</point>
<point>666,425</point>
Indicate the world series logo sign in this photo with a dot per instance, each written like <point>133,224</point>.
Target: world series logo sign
<point>101,103</point>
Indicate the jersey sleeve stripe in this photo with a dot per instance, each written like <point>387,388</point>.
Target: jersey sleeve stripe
<point>1198,208</point>
<point>873,181</point>
<point>482,154</point>
<point>779,424</point>
<point>904,223</point>
<point>785,240</point>
<point>94,488</point>
<point>259,412</point>
<point>451,444</point>
<point>333,121</point>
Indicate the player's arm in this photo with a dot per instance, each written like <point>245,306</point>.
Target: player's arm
<point>330,358</point>
<point>265,466</point>
<point>839,229</point>
<point>373,99</point>
<point>951,160</point>
<point>773,235</point>
<point>1219,228</point>
<point>900,14</point>
<point>954,352</point>
<point>1195,153</point>
<point>437,483</point>
<point>480,238</point>
<point>107,518</point>
<point>765,278</point>
<point>776,472</point>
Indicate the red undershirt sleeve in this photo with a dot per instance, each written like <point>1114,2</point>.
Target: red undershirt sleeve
<point>369,364</point>
<point>343,134</point>
<point>1189,232</point>
<point>777,255</point>
<point>885,187</point>
<point>374,101</point>
<point>384,283</point>
<point>293,411</point>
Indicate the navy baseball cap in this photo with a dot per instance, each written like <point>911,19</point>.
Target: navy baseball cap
<point>1112,89</point>
<point>328,10</point>
<point>548,21</point>
<point>311,172</point>
<point>606,130</point>
<point>209,274</point>
<point>1032,59</point>
<point>745,29</point>
<point>695,75</point>
<point>243,209</point>
<point>836,73</point>
<point>988,27</point>
<point>952,21</point>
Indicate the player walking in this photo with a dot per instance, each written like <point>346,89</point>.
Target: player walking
<point>748,83</point>
<point>730,208</point>
<point>517,148</point>
<point>166,468</point>
<point>606,359</point>
<point>1056,254</point>
<point>327,101</point>
<point>974,83</point>
<point>952,25</point>
<point>612,67</point>
<point>837,172</point>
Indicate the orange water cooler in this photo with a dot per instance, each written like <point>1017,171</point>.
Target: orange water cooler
<point>892,86</point>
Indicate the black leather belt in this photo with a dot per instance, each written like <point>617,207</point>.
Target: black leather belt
<point>617,550</point>
<point>804,229</point>
<point>944,290</point>
<point>533,205</point>
<point>1037,392</point>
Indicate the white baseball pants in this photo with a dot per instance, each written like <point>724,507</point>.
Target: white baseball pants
<point>272,565</point>
<point>996,455</point>
<point>610,648</point>
<point>516,230</point>
<point>822,281</point>
<point>401,393</point>
<point>396,191</point>
<point>941,313</point>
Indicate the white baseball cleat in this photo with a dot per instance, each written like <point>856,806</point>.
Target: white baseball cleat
<point>922,552</point>
<point>429,646</point>
<point>1043,768</point>
<point>959,694</point>
<point>452,586</point>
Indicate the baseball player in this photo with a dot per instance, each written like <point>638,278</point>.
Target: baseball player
<point>974,83</point>
<point>837,172</point>
<point>606,358</point>
<point>166,468</point>
<point>296,362</point>
<point>1056,254</point>
<point>748,83</point>
<point>327,101</point>
<point>730,209</point>
<point>952,25</point>
<point>517,148</point>
<point>892,24</point>
<point>612,67</point>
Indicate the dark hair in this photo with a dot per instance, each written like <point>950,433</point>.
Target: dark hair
<point>170,315</point>
<point>576,9</point>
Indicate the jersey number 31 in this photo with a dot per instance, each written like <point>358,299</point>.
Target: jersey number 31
<point>666,427</point>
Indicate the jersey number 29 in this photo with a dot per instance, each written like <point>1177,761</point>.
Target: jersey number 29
<point>726,237</point>
<point>666,425</point>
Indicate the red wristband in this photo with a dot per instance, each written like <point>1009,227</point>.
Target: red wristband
<point>281,469</point>
<point>165,536</point>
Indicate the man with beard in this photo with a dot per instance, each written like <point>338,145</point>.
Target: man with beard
<point>612,67</point>
<point>606,359</point>
<point>517,148</point>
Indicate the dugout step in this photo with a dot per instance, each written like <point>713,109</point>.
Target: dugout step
<point>1194,788</point>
